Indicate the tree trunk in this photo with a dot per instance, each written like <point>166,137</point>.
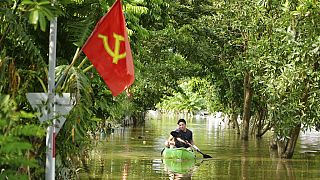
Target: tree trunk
<point>234,114</point>
<point>246,106</point>
<point>255,123</point>
<point>261,124</point>
<point>234,121</point>
<point>281,146</point>
<point>291,144</point>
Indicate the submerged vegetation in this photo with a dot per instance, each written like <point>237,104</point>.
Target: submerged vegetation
<point>257,59</point>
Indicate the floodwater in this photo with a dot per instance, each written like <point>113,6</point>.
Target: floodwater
<point>134,153</point>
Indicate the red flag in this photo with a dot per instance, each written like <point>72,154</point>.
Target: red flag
<point>109,50</point>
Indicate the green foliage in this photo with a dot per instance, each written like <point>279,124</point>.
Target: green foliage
<point>192,97</point>
<point>40,12</point>
<point>78,22</point>
<point>15,147</point>
<point>158,15</point>
<point>288,75</point>
<point>13,32</point>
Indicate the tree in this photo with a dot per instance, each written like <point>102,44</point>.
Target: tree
<point>287,75</point>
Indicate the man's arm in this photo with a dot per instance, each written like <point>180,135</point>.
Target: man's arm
<point>169,141</point>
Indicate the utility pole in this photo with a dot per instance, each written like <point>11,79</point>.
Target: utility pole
<point>51,130</point>
<point>51,106</point>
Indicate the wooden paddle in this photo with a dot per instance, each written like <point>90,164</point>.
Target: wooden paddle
<point>176,134</point>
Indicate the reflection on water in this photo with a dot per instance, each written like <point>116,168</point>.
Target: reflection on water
<point>177,169</point>
<point>310,142</point>
<point>178,166</point>
<point>176,176</point>
<point>134,153</point>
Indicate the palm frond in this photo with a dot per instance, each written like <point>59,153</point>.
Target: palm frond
<point>25,45</point>
<point>76,82</point>
<point>80,31</point>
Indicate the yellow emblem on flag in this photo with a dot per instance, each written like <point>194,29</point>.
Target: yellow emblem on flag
<point>116,53</point>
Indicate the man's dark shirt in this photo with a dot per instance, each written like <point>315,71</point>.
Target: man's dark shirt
<point>186,136</point>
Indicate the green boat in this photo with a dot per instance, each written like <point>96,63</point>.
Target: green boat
<point>178,160</point>
<point>178,153</point>
<point>179,166</point>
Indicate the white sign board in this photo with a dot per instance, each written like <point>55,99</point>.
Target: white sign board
<point>63,105</point>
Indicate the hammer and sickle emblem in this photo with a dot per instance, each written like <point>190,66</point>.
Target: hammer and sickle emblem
<point>116,53</point>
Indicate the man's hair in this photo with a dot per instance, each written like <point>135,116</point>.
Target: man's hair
<point>182,120</point>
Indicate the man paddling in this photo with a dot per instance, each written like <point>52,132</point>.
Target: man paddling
<point>184,137</point>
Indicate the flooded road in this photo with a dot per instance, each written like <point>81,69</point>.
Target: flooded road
<point>134,153</point>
